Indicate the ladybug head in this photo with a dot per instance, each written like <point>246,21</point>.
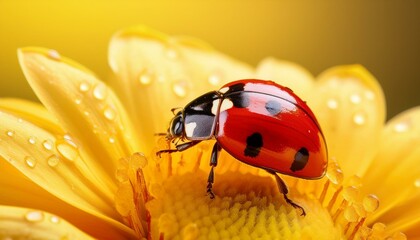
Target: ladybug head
<point>176,127</point>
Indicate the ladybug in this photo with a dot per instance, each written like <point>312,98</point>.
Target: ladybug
<point>258,122</point>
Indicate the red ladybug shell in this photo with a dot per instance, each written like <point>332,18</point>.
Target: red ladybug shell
<point>266,125</point>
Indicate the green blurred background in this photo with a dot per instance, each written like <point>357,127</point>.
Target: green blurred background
<point>384,36</point>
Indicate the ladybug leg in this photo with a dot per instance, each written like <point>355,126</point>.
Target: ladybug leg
<point>179,148</point>
<point>284,190</point>
<point>213,163</point>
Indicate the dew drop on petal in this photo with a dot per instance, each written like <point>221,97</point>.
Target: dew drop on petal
<point>47,144</point>
<point>10,133</point>
<point>417,183</point>
<point>359,118</point>
<point>78,101</point>
<point>53,161</point>
<point>32,140</point>
<point>100,91</point>
<point>399,236</point>
<point>145,78</point>
<point>180,88</point>
<point>335,176</point>
<point>84,87</point>
<point>355,99</point>
<point>30,161</point>
<point>111,140</point>
<point>332,103</point>
<point>172,53</point>
<point>54,219</point>
<point>369,95</point>
<point>68,151</point>
<point>69,140</point>
<point>109,114</point>
<point>121,175</point>
<point>53,54</point>
<point>402,127</point>
<point>214,79</point>
<point>350,193</point>
<point>378,228</point>
<point>138,160</point>
<point>34,216</point>
<point>350,214</point>
<point>370,203</point>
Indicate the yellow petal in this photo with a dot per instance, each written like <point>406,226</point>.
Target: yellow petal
<point>85,107</point>
<point>156,73</point>
<point>33,112</point>
<point>394,174</point>
<point>288,74</point>
<point>53,163</point>
<point>23,223</point>
<point>350,106</point>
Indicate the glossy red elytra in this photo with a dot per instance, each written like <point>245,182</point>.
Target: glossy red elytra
<point>259,123</point>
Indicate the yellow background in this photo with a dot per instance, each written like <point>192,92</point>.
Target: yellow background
<point>382,35</point>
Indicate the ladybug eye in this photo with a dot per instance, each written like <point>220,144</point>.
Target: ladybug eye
<point>176,127</point>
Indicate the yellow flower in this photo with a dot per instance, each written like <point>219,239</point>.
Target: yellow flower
<point>84,166</point>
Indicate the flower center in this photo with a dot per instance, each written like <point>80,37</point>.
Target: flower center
<point>246,207</point>
<point>165,198</point>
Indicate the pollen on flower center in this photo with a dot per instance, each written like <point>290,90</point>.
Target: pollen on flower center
<point>165,198</point>
<point>245,207</point>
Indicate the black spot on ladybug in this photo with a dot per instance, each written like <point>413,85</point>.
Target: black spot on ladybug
<point>239,87</point>
<point>273,107</point>
<point>254,142</point>
<point>239,100</point>
<point>301,159</point>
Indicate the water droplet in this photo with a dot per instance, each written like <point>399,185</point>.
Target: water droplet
<point>68,151</point>
<point>78,101</point>
<point>402,127</point>
<point>100,91</point>
<point>84,87</point>
<point>54,219</point>
<point>53,54</point>
<point>10,133</point>
<point>111,140</point>
<point>359,118</point>
<point>370,203</point>
<point>69,140</point>
<point>137,160</point>
<point>30,161</point>
<point>332,104</point>
<point>369,95</point>
<point>215,78</point>
<point>86,113</point>
<point>180,88</point>
<point>350,214</point>
<point>172,53</point>
<point>350,193</point>
<point>53,161</point>
<point>378,228</point>
<point>109,114</point>
<point>335,176</point>
<point>417,183</point>
<point>399,236</point>
<point>121,175</point>
<point>48,144</point>
<point>34,216</point>
<point>145,77</point>
<point>32,140</point>
<point>355,99</point>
